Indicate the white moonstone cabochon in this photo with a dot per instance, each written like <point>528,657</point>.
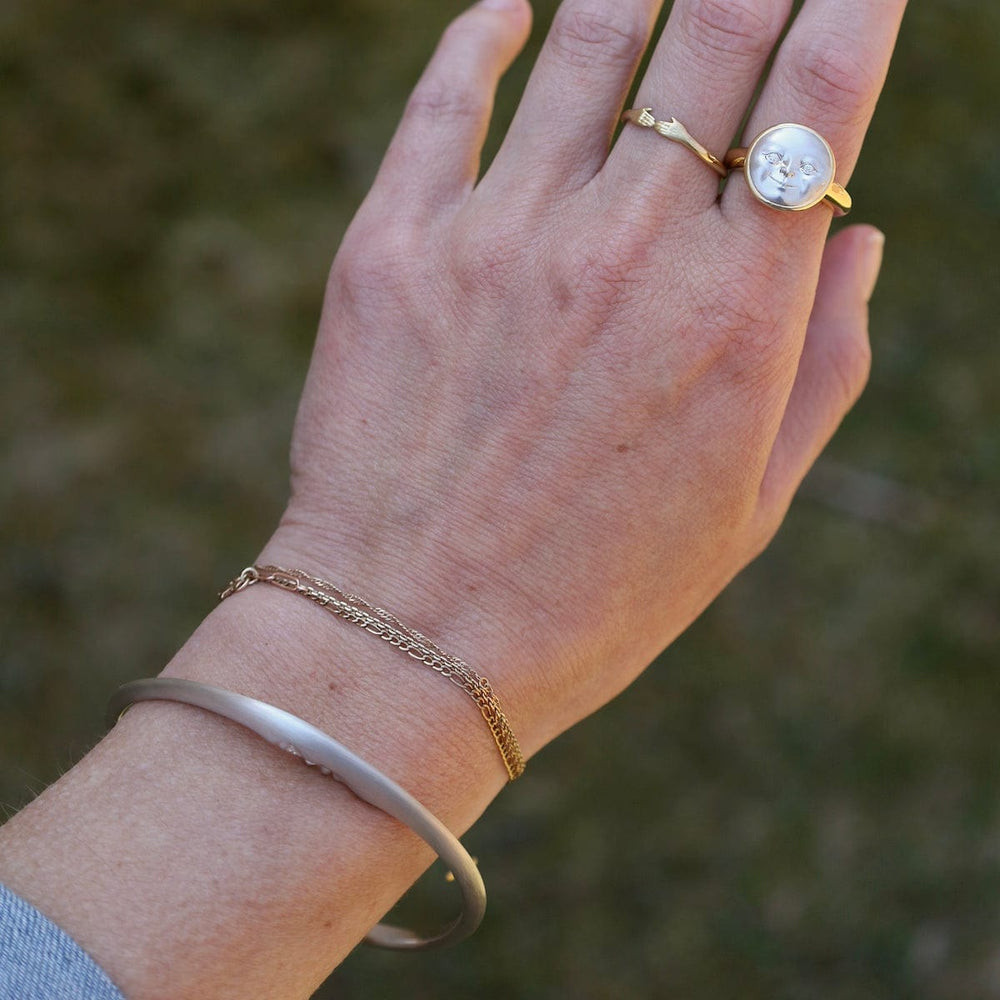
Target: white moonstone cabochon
<point>790,166</point>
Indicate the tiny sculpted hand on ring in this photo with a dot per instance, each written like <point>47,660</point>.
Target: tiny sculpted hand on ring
<point>554,409</point>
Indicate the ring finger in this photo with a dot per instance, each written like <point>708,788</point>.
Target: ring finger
<point>827,75</point>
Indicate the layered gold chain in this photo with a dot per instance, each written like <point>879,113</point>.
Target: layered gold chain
<point>387,627</point>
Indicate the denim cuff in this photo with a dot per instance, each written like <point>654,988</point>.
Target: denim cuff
<point>38,961</point>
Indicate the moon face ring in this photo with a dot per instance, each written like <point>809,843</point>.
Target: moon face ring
<point>790,167</point>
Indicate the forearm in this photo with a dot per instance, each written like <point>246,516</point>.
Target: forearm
<point>191,859</point>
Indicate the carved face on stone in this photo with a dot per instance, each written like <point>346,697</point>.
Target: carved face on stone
<point>790,166</point>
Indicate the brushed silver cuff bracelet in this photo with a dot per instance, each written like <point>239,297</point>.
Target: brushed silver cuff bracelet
<point>314,747</point>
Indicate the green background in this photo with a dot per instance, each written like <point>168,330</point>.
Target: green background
<point>801,799</point>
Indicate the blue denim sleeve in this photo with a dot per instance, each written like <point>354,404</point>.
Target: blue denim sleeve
<point>38,961</point>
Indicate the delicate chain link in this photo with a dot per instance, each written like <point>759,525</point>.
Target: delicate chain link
<point>386,626</point>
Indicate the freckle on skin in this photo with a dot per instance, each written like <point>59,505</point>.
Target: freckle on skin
<point>621,449</point>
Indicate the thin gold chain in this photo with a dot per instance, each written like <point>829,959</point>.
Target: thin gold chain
<point>386,626</point>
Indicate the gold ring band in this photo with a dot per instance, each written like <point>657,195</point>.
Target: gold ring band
<point>790,167</point>
<point>672,129</point>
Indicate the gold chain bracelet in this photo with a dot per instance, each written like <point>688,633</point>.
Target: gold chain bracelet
<point>386,626</point>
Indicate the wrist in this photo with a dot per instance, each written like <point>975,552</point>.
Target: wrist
<point>420,730</point>
<point>259,863</point>
<point>451,592</point>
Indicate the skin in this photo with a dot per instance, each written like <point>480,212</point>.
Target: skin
<point>550,414</point>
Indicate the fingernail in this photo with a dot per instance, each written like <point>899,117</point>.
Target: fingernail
<point>872,260</point>
<point>500,4</point>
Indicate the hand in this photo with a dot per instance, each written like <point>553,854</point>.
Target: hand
<point>549,415</point>
<point>552,413</point>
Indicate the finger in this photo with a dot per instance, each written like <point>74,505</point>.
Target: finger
<point>704,72</point>
<point>570,108</point>
<point>827,74</point>
<point>834,364</point>
<point>433,159</point>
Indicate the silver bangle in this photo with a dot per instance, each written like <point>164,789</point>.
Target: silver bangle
<point>298,737</point>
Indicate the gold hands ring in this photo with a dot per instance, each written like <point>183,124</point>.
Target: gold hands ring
<point>674,130</point>
<point>790,167</point>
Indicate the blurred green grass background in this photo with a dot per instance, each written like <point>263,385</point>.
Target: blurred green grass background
<point>801,798</point>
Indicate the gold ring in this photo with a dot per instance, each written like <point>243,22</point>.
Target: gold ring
<point>674,130</point>
<point>790,167</point>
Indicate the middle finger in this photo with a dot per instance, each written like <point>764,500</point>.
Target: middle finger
<point>560,136</point>
<point>703,72</point>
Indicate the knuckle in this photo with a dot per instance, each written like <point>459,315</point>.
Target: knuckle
<point>600,277</point>
<point>486,263</point>
<point>439,98</point>
<point>735,323</point>
<point>728,28</point>
<point>587,34</point>
<point>484,273</point>
<point>373,263</point>
<point>448,89</point>
<point>831,78</point>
